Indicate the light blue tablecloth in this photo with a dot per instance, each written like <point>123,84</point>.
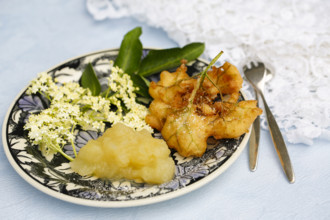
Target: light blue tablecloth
<point>36,35</point>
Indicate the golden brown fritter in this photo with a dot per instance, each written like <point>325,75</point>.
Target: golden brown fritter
<point>187,132</point>
<point>186,121</point>
<point>227,78</point>
<point>172,86</point>
<point>235,119</point>
<point>159,111</point>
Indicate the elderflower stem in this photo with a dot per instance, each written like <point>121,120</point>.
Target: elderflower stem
<point>108,91</point>
<point>72,142</point>
<point>45,95</point>
<point>59,149</point>
<point>204,73</point>
<point>201,79</point>
<point>215,85</point>
<point>65,155</point>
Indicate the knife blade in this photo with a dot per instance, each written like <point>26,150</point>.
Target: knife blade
<point>279,143</point>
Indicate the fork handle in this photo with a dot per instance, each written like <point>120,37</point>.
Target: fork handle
<point>279,143</point>
<point>254,140</point>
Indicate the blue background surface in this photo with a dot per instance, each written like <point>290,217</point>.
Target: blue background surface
<point>36,35</point>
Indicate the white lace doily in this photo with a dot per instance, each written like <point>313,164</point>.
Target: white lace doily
<point>291,37</point>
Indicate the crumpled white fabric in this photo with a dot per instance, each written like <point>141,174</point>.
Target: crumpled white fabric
<point>291,37</point>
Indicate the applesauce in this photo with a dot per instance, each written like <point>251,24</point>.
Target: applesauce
<point>123,153</point>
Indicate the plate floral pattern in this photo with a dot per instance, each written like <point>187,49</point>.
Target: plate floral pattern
<point>53,175</point>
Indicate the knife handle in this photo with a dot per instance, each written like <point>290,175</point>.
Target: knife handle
<point>279,142</point>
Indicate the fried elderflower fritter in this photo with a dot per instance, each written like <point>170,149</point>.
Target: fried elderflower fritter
<point>188,110</point>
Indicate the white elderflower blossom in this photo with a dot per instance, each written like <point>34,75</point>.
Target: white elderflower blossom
<point>74,107</point>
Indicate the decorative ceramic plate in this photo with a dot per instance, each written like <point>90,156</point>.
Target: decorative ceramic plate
<point>54,176</point>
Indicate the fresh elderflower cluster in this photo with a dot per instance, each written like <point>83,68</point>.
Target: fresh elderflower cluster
<point>72,106</point>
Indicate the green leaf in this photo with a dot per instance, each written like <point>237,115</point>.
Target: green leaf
<point>130,52</point>
<point>129,59</point>
<point>140,83</point>
<point>90,81</point>
<point>193,50</point>
<point>159,60</point>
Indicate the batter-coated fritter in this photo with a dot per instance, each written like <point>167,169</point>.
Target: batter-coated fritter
<point>172,86</point>
<point>235,119</point>
<point>227,79</point>
<point>187,124</point>
<point>187,132</point>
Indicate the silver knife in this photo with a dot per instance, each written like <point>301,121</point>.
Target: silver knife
<point>279,143</point>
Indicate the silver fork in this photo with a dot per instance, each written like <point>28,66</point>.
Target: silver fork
<point>256,76</point>
<point>254,140</point>
<point>255,132</point>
